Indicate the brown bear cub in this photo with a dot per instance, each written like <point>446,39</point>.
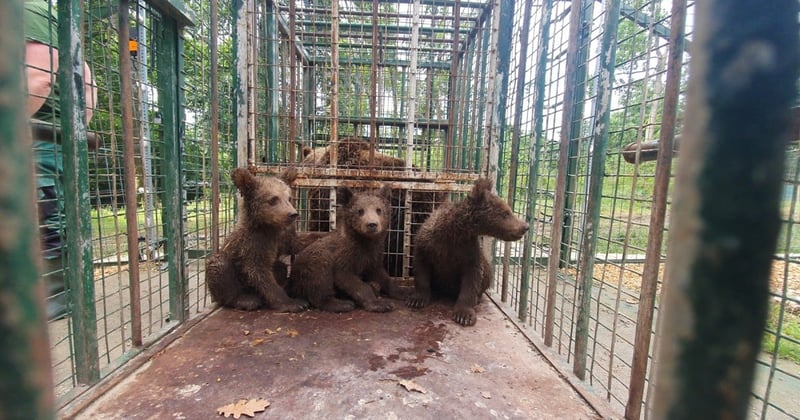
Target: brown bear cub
<point>240,274</point>
<point>349,259</point>
<point>448,260</point>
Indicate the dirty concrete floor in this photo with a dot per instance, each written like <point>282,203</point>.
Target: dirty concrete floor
<point>322,365</point>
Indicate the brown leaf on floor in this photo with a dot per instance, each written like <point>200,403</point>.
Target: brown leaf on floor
<point>486,395</point>
<point>476,368</point>
<point>257,341</point>
<point>246,332</point>
<point>269,331</point>
<point>292,333</point>
<point>411,386</point>
<point>247,407</point>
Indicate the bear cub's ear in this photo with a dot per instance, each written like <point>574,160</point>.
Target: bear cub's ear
<point>386,192</point>
<point>243,179</point>
<point>343,195</point>
<point>481,190</point>
<point>289,175</point>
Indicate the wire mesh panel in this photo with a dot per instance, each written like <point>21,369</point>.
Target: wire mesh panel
<point>139,291</point>
<point>372,91</point>
<point>210,124</point>
<point>597,325</point>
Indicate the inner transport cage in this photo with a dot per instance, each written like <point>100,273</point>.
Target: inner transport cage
<point>360,93</point>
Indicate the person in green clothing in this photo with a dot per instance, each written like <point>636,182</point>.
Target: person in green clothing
<point>41,65</point>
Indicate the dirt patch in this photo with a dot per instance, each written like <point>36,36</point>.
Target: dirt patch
<point>630,276</point>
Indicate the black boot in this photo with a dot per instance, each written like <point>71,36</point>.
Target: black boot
<point>55,288</point>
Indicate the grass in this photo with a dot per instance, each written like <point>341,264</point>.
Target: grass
<point>790,328</point>
<point>110,227</point>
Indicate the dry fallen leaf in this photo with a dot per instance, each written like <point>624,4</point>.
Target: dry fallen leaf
<point>292,333</point>
<point>257,341</point>
<point>486,395</point>
<point>411,386</point>
<point>477,369</point>
<point>246,332</point>
<point>247,407</point>
<point>269,331</point>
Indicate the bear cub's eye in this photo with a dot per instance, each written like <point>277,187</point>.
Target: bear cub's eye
<point>273,201</point>
<point>506,215</point>
<point>379,211</point>
<point>360,212</point>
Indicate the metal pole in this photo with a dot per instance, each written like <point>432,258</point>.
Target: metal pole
<point>334,130</point>
<point>80,273</point>
<point>241,81</point>
<point>334,141</point>
<point>726,207</point>
<point>518,106</point>
<point>26,384</point>
<point>489,164</point>
<point>576,20</point>
<point>658,214</point>
<point>292,84</point>
<point>144,131</point>
<point>412,85</point>
<point>271,76</point>
<point>170,82</point>
<point>449,153</point>
<point>536,147</point>
<point>129,172</point>
<point>575,128</point>
<point>602,112</point>
<point>215,202</point>
<point>373,86</point>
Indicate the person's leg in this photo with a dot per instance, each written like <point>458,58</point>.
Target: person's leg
<point>52,252</point>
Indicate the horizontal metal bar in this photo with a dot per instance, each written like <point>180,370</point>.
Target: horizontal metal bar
<point>368,13</point>
<point>401,29</point>
<point>384,121</point>
<point>411,179</point>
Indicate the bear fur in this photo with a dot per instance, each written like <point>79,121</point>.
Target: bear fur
<point>241,274</point>
<point>296,242</point>
<point>349,259</point>
<point>448,260</point>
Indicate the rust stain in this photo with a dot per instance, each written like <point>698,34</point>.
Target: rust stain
<point>410,372</point>
<point>376,362</point>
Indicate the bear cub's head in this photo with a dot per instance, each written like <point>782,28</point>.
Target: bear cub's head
<point>366,213</point>
<point>491,215</point>
<point>267,200</point>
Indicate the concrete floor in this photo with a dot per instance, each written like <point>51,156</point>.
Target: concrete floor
<point>323,365</point>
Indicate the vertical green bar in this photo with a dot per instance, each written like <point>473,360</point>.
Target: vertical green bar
<point>536,146</point>
<point>169,66</point>
<point>240,80</point>
<point>80,272</point>
<point>309,81</point>
<point>482,96</point>
<point>575,131</point>
<point>602,112</point>
<point>25,376</point>
<point>272,83</point>
<point>468,67</point>
<point>726,212</point>
<point>503,67</point>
